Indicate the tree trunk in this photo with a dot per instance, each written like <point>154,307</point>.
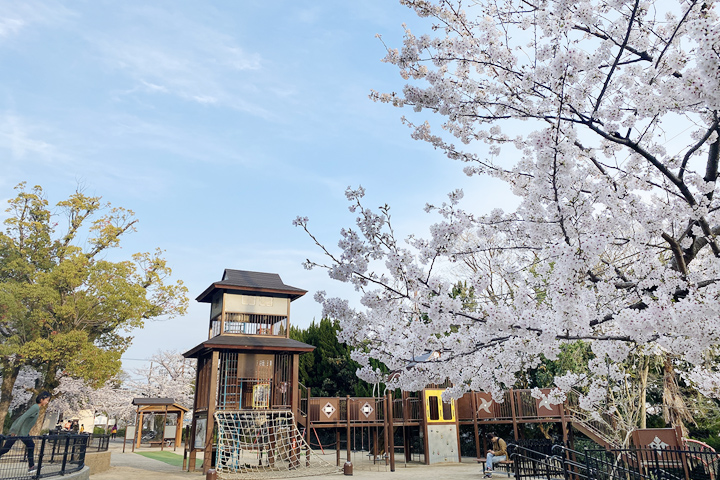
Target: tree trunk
<point>49,383</point>
<point>9,375</point>
<point>644,370</point>
<point>37,429</point>
<point>675,411</point>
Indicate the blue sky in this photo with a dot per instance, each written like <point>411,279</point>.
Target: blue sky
<point>217,123</point>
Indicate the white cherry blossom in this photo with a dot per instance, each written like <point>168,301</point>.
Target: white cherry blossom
<point>603,118</point>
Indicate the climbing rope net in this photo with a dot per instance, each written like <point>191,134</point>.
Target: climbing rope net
<point>264,444</point>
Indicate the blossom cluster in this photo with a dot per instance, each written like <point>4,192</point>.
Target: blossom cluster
<point>614,241</point>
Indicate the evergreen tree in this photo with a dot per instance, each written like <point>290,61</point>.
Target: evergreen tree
<point>328,371</point>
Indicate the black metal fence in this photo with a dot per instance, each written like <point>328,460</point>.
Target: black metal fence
<point>531,463</point>
<point>651,463</point>
<point>98,443</point>
<point>615,464</point>
<point>41,456</point>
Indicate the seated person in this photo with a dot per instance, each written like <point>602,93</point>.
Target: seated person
<point>497,454</point>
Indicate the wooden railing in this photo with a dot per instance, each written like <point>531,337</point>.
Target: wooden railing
<point>605,428</point>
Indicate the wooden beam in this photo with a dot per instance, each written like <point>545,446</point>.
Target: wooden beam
<point>212,402</point>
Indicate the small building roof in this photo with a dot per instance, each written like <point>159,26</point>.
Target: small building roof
<point>158,405</point>
<point>152,401</point>
<point>249,343</point>
<point>243,281</point>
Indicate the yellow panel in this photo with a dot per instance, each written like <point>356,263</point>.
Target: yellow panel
<point>436,396</point>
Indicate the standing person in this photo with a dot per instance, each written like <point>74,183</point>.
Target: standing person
<point>82,428</point>
<point>114,431</point>
<point>497,454</point>
<point>21,428</point>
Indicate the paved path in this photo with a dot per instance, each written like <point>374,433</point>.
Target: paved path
<point>130,466</point>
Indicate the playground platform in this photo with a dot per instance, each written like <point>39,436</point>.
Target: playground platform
<point>134,466</point>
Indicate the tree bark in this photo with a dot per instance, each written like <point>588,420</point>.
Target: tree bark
<point>644,370</point>
<point>9,375</point>
<point>675,411</point>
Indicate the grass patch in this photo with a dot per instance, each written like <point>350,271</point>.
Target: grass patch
<point>168,457</point>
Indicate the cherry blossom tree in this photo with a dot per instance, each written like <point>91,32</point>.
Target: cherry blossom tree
<point>601,116</point>
<point>112,399</point>
<point>169,375</point>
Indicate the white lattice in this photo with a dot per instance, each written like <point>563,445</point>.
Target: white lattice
<point>264,444</point>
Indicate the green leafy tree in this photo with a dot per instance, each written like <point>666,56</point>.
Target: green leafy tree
<point>328,370</point>
<point>66,309</point>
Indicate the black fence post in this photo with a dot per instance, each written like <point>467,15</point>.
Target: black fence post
<point>83,449</point>
<point>40,457</point>
<point>65,454</point>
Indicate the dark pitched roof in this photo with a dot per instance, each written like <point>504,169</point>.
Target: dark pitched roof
<point>251,282</point>
<point>153,401</point>
<point>249,343</point>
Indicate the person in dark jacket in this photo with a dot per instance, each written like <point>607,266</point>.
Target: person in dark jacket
<point>21,428</point>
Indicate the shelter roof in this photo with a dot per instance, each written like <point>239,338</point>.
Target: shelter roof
<point>243,281</point>
<point>158,405</point>
<point>249,343</point>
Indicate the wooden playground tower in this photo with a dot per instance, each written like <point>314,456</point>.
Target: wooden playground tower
<point>249,363</point>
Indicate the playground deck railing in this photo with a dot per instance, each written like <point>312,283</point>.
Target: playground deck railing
<point>56,454</point>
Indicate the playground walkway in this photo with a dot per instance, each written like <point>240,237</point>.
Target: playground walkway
<point>131,466</point>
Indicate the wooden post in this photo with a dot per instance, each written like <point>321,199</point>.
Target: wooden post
<point>564,424</point>
<point>457,429</point>
<point>162,433</point>
<point>137,413</point>
<point>295,392</point>
<point>337,447</point>
<point>386,425</point>
<point>347,414</point>
<point>138,433</point>
<point>222,317</point>
<point>514,414</point>
<point>179,429</point>
<point>423,425</point>
<point>193,420</point>
<point>287,329</point>
<point>473,403</point>
<point>212,402</point>
<point>375,445</point>
<point>406,444</point>
<point>307,443</point>
<point>391,433</point>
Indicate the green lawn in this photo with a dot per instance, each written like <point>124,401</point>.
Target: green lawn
<point>168,457</point>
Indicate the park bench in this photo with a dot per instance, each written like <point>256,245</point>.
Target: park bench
<point>505,465</point>
<point>167,442</point>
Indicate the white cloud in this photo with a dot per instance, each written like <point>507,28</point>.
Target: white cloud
<point>178,56</point>
<point>16,16</point>
<point>21,139</point>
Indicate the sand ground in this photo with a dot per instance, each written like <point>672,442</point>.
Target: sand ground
<point>130,466</point>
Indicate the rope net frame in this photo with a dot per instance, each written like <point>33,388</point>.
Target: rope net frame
<point>264,444</point>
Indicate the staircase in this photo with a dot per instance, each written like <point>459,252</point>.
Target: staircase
<point>602,431</point>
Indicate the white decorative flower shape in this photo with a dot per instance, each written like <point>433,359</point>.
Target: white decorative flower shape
<point>367,409</point>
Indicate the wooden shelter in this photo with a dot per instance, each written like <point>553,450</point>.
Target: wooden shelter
<point>249,361</point>
<point>164,406</point>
